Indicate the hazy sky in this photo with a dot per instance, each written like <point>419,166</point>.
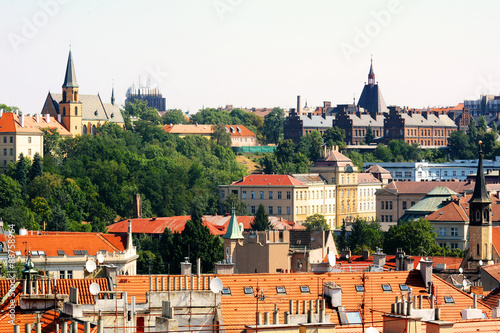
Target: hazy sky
<point>251,53</point>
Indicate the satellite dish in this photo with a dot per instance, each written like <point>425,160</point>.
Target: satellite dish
<point>90,266</point>
<point>347,256</point>
<point>216,285</point>
<point>460,270</point>
<point>331,259</point>
<point>100,258</point>
<point>371,330</point>
<point>94,289</point>
<point>480,263</point>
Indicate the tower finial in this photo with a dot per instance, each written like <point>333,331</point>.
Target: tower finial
<point>371,74</point>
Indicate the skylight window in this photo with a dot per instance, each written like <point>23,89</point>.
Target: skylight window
<point>60,252</point>
<point>449,300</point>
<point>305,289</point>
<point>353,318</point>
<point>403,287</point>
<point>34,253</point>
<point>386,287</point>
<point>41,253</point>
<point>18,253</point>
<point>248,290</point>
<point>226,291</point>
<point>360,288</point>
<point>281,290</point>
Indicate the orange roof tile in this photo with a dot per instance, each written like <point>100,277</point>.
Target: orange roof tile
<point>364,178</point>
<point>51,242</point>
<point>239,130</point>
<point>268,180</point>
<point>157,225</point>
<point>10,123</point>
<point>238,309</point>
<point>83,285</point>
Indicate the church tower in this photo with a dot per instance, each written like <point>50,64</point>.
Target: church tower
<point>480,224</point>
<point>70,107</point>
<point>231,239</point>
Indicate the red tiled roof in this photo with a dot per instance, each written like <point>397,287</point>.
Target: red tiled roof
<point>496,236</point>
<point>157,225</point>
<point>233,130</point>
<point>51,242</point>
<point>238,309</point>
<point>364,178</point>
<point>426,187</point>
<point>492,298</point>
<point>452,212</point>
<point>268,180</point>
<point>83,285</point>
<point>9,122</point>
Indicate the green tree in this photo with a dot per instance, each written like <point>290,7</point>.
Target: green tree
<point>414,237</point>
<point>472,131</point>
<point>10,192</point>
<point>342,240</point>
<point>311,145</point>
<point>21,217</point>
<point>383,153</point>
<point>316,221</point>
<point>37,167</point>
<point>369,135</point>
<point>482,125</point>
<point>221,136</point>
<point>7,108</point>
<point>174,117</point>
<point>240,207</point>
<point>274,123</point>
<point>364,234</point>
<point>21,174</point>
<point>261,220</point>
<point>334,136</point>
<point>141,110</point>
<point>459,145</point>
<point>285,160</point>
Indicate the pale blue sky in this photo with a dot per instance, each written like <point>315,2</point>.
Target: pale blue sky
<point>251,53</point>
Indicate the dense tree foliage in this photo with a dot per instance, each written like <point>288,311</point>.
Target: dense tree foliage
<point>274,125</point>
<point>286,159</point>
<point>311,145</point>
<point>316,222</point>
<point>92,178</point>
<point>365,235</point>
<point>334,136</point>
<point>415,237</point>
<point>240,207</point>
<point>174,117</point>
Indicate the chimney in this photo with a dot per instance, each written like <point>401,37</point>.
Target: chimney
<point>426,271</point>
<point>37,117</point>
<point>366,254</point>
<point>186,267</point>
<point>345,254</point>
<point>1,113</point>
<point>129,232</point>
<point>21,120</point>
<point>298,105</point>
<point>327,104</point>
<point>379,259</point>
<point>137,206</point>
<point>408,263</point>
<point>47,118</point>
<point>59,118</point>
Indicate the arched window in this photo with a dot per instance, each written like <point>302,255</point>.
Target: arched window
<point>75,97</point>
<point>486,215</point>
<point>477,249</point>
<point>94,132</point>
<point>84,129</point>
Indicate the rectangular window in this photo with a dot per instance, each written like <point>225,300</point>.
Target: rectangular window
<point>390,204</point>
<point>270,209</point>
<point>407,174</point>
<point>360,288</point>
<point>252,194</point>
<point>29,139</point>
<point>262,194</point>
<point>288,195</point>
<point>243,194</point>
<point>279,210</point>
<point>253,209</point>
<point>222,194</point>
<point>279,195</point>
<point>270,194</point>
<point>382,204</point>
<point>11,139</point>
<point>442,232</point>
<point>412,204</point>
<point>70,275</point>
<point>5,152</point>
<point>454,232</point>
<point>62,274</point>
<point>404,204</point>
<point>386,287</point>
<point>403,287</point>
<point>11,152</point>
<point>248,290</point>
<point>454,246</point>
<point>29,152</point>
<point>445,173</point>
<point>281,290</point>
<point>454,173</point>
<point>305,290</point>
<point>4,139</point>
<point>390,218</point>
<point>288,210</point>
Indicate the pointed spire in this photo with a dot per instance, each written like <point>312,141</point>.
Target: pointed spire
<point>371,75</point>
<point>70,77</point>
<point>233,229</point>
<point>480,194</point>
<point>113,94</point>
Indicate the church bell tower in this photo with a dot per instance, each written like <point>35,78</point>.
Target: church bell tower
<point>480,224</point>
<point>70,107</point>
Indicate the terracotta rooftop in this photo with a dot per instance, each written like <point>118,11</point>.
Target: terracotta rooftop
<point>52,242</point>
<point>364,178</point>
<point>376,169</point>
<point>239,130</point>
<point>238,309</point>
<point>268,180</point>
<point>425,187</point>
<point>83,285</point>
<point>10,123</point>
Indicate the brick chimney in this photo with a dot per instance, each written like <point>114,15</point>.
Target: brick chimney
<point>426,271</point>
<point>299,111</point>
